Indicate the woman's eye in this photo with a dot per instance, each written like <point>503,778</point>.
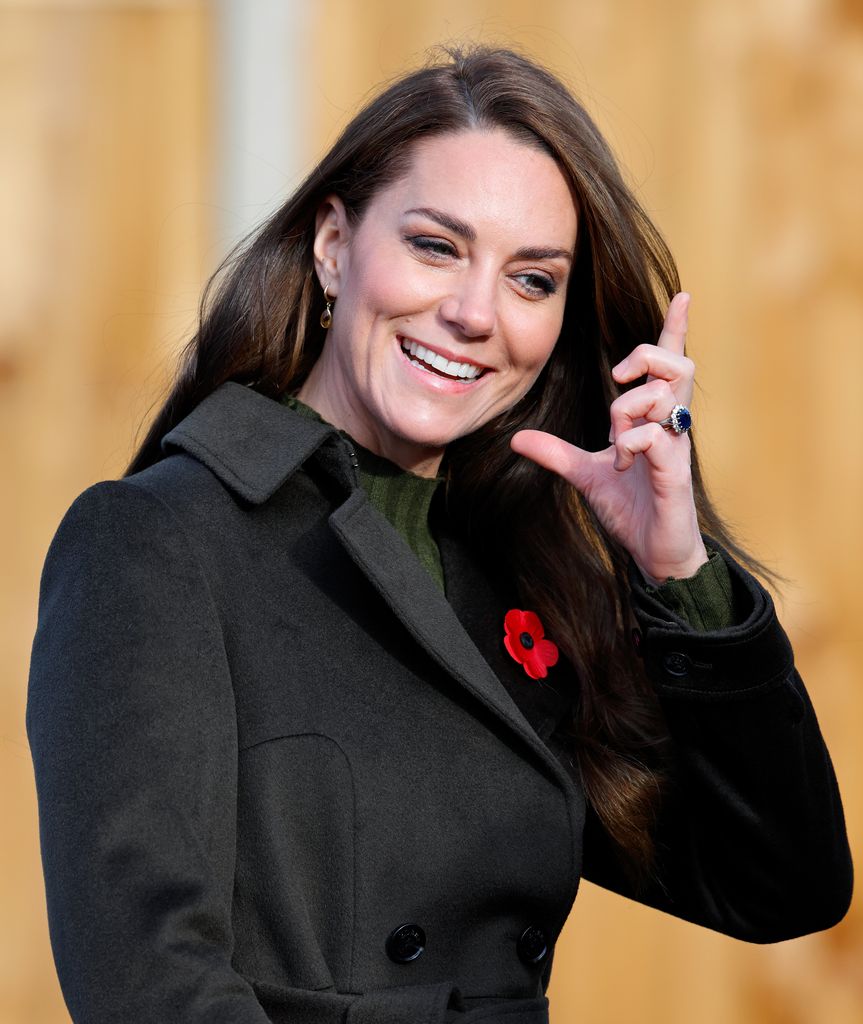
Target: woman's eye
<point>431,246</point>
<point>538,284</point>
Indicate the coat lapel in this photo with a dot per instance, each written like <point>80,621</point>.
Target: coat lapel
<point>387,561</point>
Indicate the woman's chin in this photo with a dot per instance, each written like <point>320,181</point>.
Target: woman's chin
<point>431,436</point>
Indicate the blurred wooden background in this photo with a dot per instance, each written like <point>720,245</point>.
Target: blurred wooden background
<point>740,124</point>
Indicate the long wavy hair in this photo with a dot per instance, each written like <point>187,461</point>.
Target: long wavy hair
<point>259,326</point>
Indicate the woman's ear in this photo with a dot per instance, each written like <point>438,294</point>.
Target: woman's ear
<point>332,233</point>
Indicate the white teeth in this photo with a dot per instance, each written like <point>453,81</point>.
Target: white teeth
<point>426,358</point>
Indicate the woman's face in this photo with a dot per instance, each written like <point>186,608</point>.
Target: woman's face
<point>449,295</point>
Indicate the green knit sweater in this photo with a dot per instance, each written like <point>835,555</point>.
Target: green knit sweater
<point>705,601</point>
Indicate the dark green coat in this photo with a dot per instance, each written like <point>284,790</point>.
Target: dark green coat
<point>282,777</point>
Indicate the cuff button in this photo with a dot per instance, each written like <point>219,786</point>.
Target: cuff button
<point>676,664</point>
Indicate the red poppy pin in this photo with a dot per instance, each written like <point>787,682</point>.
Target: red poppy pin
<point>526,643</point>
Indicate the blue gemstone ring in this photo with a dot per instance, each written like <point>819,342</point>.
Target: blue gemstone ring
<point>679,420</point>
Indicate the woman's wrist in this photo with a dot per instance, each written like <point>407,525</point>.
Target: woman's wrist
<point>656,575</point>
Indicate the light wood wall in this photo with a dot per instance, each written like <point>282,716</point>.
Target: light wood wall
<point>739,122</point>
<point>105,208</point>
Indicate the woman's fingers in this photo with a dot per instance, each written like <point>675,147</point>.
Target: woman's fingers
<point>670,378</point>
<point>572,463</point>
<point>669,347</point>
<point>652,401</point>
<point>649,439</point>
<point>663,362</point>
<point>652,361</point>
<point>673,336</point>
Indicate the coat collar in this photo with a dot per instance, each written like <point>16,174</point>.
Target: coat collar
<point>253,444</point>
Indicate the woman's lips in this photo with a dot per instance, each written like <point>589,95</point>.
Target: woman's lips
<point>441,363</point>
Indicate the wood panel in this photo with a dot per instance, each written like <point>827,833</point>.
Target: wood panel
<point>105,207</point>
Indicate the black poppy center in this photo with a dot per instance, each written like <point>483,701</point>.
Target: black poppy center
<point>526,641</point>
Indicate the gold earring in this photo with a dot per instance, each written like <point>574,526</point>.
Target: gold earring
<point>327,315</point>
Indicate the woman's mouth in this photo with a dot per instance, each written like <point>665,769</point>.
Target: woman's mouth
<point>433,362</point>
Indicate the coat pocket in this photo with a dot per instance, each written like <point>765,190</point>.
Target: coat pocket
<point>294,896</point>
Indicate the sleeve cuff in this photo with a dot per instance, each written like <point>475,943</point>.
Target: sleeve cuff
<point>704,601</point>
<point>668,605</point>
<point>750,655</point>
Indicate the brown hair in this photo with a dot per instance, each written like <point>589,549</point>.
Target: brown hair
<point>259,326</point>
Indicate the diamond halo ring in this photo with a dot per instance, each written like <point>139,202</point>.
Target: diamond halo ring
<point>679,420</point>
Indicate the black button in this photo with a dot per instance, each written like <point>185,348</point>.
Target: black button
<point>526,641</point>
<point>532,945</point>
<point>676,664</point>
<point>405,943</point>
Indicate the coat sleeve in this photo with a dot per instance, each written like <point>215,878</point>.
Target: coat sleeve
<point>751,838</point>
<point>131,723</point>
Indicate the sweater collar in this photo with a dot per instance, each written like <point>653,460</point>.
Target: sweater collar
<point>385,482</point>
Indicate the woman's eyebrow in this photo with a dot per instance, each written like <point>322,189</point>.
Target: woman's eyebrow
<point>468,233</point>
<point>543,253</point>
<point>458,227</point>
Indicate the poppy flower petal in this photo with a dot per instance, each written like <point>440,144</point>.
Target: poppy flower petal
<point>533,625</point>
<point>535,667</point>
<point>548,651</point>
<point>515,649</point>
<point>514,621</point>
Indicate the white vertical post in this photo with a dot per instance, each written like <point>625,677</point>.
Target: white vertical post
<point>261,97</point>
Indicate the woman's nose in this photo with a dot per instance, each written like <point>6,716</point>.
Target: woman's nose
<point>472,305</point>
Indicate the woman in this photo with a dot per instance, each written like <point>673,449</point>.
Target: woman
<point>411,609</point>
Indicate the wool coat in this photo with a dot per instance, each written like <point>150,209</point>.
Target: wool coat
<point>282,777</point>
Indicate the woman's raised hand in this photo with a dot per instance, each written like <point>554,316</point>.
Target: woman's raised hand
<point>640,487</point>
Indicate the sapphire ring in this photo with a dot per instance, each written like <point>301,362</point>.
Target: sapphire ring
<point>679,420</point>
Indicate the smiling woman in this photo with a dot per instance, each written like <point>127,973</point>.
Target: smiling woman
<point>411,610</point>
